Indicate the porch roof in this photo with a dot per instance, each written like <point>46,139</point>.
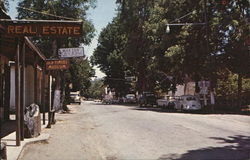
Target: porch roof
<point>8,45</point>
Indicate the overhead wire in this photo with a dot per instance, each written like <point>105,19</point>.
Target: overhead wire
<point>48,14</point>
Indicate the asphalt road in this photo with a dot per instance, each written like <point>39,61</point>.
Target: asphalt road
<point>95,131</point>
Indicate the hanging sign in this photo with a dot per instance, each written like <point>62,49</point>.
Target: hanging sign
<point>38,28</point>
<point>71,52</point>
<point>57,64</point>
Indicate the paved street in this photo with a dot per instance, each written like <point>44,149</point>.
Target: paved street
<point>95,131</point>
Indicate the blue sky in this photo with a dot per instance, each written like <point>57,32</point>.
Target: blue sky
<point>100,16</point>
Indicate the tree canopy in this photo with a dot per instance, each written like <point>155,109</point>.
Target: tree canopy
<point>80,71</point>
<point>218,39</point>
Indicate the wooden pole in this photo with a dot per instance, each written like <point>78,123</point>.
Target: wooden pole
<point>35,81</point>
<point>7,93</point>
<point>49,99</point>
<point>22,91</point>
<point>17,93</point>
<point>43,92</point>
<point>0,113</point>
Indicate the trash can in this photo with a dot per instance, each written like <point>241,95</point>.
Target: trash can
<point>32,121</point>
<point>3,152</point>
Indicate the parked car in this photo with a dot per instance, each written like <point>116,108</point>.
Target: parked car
<point>188,102</point>
<point>107,99</point>
<point>166,102</point>
<point>163,102</point>
<point>75,97</point>
<point>130,98</point>
<point>147,98</point>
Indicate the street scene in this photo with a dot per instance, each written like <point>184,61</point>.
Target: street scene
<point>130,132</point>
<point>124,79</point>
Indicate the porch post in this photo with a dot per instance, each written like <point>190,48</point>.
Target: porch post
<point>43,92</point>
<point>17,92</point>
<point>22,90</point>
<point>49,100</point>
<point>35,81</point>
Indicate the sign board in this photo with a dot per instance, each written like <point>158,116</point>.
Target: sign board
<point>204,90</point>
<point>202,84</point>
<point>38,28</point>
<point>57,64</point>
<point>70,52</point>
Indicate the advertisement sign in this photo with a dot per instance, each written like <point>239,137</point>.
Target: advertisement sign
<point>38,28</point>
<point>71,52</point>
<point>57,64</point>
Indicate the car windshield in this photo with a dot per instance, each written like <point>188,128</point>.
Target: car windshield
<point>74,95</point>
<point>130,96</point>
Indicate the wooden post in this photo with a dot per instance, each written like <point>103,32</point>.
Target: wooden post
<point>22,90</point>
<point>17,93</point>
<point>35,81</point>
<point>43,92</point>
<point>0,120</point>
<point>49,99</point>
<point>7,93</point>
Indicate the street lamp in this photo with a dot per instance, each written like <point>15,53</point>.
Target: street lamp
<point>181,24</point>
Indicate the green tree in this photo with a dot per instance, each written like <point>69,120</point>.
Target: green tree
<point>80,71</point>
<point>97,89</point>
<point>108,56</point>
<point>230,30</point>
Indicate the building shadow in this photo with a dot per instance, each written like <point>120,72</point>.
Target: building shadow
<point>155,108</point>
<point>237,148</point>
<point>7,128</point>
<point>203,112</point>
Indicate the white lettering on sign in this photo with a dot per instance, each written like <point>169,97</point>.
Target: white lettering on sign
<point>71,52</point>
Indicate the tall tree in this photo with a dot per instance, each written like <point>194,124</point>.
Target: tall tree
<point>108,56</point>
<point>62,10</point>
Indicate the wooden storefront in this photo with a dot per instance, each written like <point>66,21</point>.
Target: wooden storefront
<point>22,78</point>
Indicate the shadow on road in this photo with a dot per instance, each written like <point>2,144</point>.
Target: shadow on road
<point>238,148</point>
<point>157,109</point>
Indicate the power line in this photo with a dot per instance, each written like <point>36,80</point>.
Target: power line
<point>183,16</point>
<point>48,14</point>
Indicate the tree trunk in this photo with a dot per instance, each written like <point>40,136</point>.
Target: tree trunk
<point>239,89</point>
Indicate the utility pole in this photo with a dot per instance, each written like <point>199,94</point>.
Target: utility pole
<point>212,99</point>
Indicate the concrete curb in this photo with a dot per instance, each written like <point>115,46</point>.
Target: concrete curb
<point>13,151</point>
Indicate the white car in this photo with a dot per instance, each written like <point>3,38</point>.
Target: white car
<point>188,102</point>
<point>162,103</point>
<point>75,97</point>
<point>167,102</point>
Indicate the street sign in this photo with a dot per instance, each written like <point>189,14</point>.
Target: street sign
<point>57,64</point>
<point>71,52</point>
<point>48,28</point>
<point>204,85</point>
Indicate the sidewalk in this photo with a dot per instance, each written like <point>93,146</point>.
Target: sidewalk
<point>14,151</point>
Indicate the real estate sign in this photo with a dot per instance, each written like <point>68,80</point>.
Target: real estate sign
<point>71,52</point>
<point>49,28</point>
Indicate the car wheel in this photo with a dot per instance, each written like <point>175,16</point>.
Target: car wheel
<point>181,107</point>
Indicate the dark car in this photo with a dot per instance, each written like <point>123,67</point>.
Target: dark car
<point>147,98</point>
